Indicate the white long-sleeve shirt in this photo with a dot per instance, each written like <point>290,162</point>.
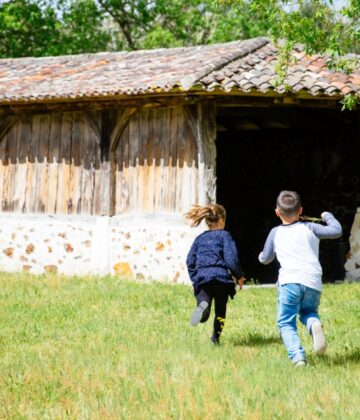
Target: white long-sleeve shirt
<point>296,247</point>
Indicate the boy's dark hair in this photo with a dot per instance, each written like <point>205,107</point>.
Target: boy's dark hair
<point>288,203</point>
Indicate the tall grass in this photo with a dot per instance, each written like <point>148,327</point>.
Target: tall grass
<point>92,348</point>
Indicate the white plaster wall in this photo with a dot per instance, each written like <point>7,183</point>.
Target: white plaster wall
<point>352,265</point>
<point>146,247</point>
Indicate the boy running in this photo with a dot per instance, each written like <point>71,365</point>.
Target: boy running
<point>296,246</point>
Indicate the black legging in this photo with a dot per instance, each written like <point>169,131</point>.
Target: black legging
<point>220,293</point>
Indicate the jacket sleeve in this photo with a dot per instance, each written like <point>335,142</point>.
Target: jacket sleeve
<point>332,230</point>
<point>191,261</point>
<point>231,257</point>
<point>267,255</point>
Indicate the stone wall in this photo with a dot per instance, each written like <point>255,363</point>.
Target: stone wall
<point>352,265</point>
<point>152,247</point>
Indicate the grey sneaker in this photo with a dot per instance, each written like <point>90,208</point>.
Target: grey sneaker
<point>300,363</point>
<point>318,336</point>
<point>197,313</point>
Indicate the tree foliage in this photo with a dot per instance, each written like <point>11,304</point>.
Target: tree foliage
<point>52,27</point>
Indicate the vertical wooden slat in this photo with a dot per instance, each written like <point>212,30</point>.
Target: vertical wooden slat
<point>158,160</point>
<point>42,163</point>
<point>174,112</point>
<point>63,203</point>
<point>180,161</point>
<point>107,175</point>
<point>134,138</point>
<point>145,160</point>
<point>119,165</point>
<point>76,163</point>
<point>206,123</point>
<point>151,161</point>
<point>166,134</point>
<point>53,162</point>
<point>31,178</point>
<point>123,177</point>
<point>30,189</point>
<point>97,194</point>
<point>9,184</point>
<point>24,137</point>
<point>88,174</point>
<point>3,141</point>
<point>4,171</point>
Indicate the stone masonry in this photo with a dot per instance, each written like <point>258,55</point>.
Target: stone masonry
<point>152,247</point>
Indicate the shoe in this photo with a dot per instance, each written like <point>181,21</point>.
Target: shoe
<point>197,314</point>
<point>318,336</point>
<point>215,341</point>
<point>300,363</point>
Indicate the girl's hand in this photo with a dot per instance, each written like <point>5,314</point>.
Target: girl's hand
<point>240,282</point>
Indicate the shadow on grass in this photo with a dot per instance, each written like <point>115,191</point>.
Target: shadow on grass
<point>351,357</point>
<point>255,340</point>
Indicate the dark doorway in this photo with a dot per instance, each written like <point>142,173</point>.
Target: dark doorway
<point>263,151</point>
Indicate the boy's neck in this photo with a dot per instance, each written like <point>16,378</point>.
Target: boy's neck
<point>289,220</point>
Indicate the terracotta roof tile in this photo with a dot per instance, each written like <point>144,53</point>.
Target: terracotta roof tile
<point>236,66</point>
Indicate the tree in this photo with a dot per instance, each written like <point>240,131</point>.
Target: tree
<point>47,28</point>
<point>169,23</point>
<point>25,29</point>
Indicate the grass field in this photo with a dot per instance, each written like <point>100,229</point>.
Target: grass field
<point>89,348</point>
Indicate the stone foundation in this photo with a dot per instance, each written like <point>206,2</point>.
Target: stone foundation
<point>150,247</point>
<point>352,265</point>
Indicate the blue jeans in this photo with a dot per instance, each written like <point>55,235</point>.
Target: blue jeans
<point>294,299</point>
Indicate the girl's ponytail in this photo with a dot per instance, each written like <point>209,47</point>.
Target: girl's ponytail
<point>212,214</point>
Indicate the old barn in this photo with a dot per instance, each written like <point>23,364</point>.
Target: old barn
<point>101,154</point>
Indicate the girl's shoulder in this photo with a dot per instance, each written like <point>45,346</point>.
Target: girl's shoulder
<point>216,233</point>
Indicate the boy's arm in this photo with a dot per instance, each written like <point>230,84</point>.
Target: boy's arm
<point>231,257</point>
<point>332,230</point>
<point>191,261</point>
<point>268,253</point>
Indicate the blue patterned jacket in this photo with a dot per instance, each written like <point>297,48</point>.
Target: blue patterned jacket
<point>213,256</point>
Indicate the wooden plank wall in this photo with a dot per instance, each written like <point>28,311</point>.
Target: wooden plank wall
<point>51,163</point>
<point>155,162</point>
<point>62,162</point>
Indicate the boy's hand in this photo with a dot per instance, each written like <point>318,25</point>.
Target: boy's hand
<point>240,281</point>
<point>323,214</point>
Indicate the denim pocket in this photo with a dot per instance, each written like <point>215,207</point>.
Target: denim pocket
<point>290,294</point>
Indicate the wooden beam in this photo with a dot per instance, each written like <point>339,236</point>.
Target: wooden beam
<point>153,101</point>
<point>6,124</point>
<point>119,128</point>
<point>94,126</point>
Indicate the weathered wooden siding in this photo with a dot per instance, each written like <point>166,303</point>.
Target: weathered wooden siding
<point>103,163</point>
<point>155,162</point>
<point>50,163</point>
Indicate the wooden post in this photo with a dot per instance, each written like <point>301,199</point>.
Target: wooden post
<point>202,119</point>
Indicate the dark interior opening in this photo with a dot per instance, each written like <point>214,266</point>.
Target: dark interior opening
<point>261,151</point>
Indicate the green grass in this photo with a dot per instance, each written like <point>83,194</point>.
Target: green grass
<point>89,348</point>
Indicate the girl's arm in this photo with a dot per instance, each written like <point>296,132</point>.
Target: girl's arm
<point>231,257</point>
<point>268,253</point>
<point>191,261</point>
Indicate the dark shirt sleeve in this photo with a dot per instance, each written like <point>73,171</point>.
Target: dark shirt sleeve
<point>231,257</point>
<point>191,261</point>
